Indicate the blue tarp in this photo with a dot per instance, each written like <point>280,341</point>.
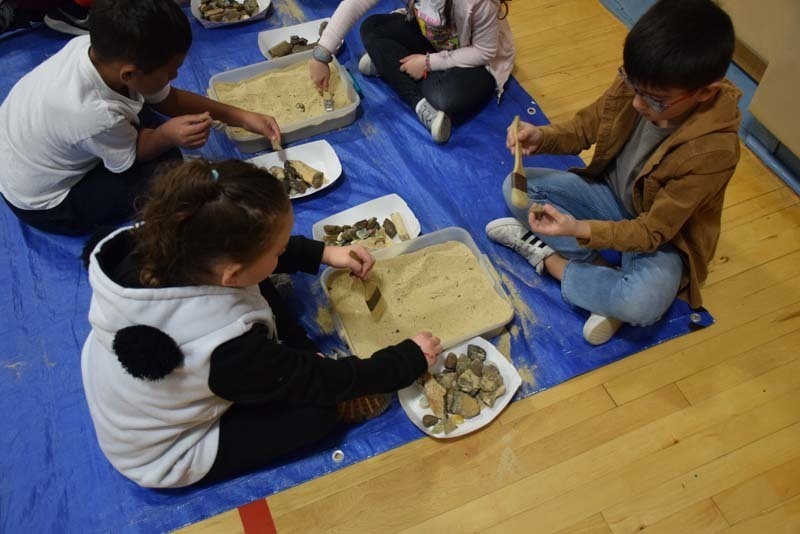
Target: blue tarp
<point>53,476</point>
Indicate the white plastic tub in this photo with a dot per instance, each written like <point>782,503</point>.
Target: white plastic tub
<point>445,235</point>
<point>339,118</point>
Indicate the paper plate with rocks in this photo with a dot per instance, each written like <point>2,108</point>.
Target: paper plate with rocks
<point>288,40</point>
<point>466,389</point>
<point>303,169</point>
<point>218,13</point>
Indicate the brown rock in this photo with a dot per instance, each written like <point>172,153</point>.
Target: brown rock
<point>465,405</point>
<point>468,382</point>
<point>435,394</point>
<point>429,420</point>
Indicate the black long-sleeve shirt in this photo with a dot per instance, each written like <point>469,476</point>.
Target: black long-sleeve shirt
<point>255,367</point>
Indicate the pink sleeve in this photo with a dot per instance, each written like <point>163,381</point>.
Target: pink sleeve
<point>483,46</point>
<point>345,16</point>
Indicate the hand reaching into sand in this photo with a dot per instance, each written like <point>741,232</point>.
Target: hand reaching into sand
<point>340,258</point>
<point>431,346</point>
<point>320,74</point>
<point>530,138</point>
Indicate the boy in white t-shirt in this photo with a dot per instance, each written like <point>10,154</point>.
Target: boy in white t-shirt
<point>74,153</point>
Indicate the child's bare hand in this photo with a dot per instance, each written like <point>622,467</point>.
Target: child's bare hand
<point>265,125</point>
<point>341,258</point>
<point>320,74</point>
<point>430,345</point>
<point>552,222</point>
<point>530,138</point>
<point>188,131</point>
<point>413,65</point>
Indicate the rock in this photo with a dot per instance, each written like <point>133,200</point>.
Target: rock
<point>489,397</point>
<point>469,382</point>
<point>429,420</point>
<point>438,428</point>
<point>474,351</point>
<point>450,361</point>
<point>462,363</point>
<point>435,394</point>
<point>449,425</point>
<point>491,379</point>
<point>447,380</point>
<point>476,366</point>
<point>465,405</point>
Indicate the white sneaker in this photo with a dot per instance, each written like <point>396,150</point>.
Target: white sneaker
<point>510,232</point>
<point>598,329</point>
<point>367,67</point>
<point>437,122</point>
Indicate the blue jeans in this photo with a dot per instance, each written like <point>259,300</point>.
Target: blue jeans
<point>644,286</point>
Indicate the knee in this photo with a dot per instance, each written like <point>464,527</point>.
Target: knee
<point>639,308</point>
<point>370,28</point>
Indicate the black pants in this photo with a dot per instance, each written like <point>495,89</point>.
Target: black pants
<point>101,198</point>
<point>251,436</point>
<point>388,38</point>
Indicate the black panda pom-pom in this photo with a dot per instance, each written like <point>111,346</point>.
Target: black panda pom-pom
<point>146,352</point>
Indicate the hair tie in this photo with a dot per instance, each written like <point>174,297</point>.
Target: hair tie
<point>214,175</point>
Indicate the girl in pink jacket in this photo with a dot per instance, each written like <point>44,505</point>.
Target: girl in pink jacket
<point>440,56</point>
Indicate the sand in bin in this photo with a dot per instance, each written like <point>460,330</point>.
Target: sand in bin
<point>287,94</point>
<point>440,288</point>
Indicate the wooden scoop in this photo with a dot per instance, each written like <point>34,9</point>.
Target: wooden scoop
<point>372,293</point>
<point>519,182</point>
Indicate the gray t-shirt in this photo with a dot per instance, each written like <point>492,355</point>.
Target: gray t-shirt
<point>621,172</point>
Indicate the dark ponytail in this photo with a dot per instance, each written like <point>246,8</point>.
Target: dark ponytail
<point>201,212</point>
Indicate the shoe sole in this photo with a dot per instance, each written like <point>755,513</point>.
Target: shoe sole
<point>443,125</point>
<point>602,332</point>
<point>372,71</point>
<point>63,27</point>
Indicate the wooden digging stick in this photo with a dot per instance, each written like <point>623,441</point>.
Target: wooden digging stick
<point>519,182</point>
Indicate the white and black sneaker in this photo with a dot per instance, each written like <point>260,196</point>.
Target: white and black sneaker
<point>367,67</point>
<point>70,18</point>
<point>437,122</point>
<point>510,232</point>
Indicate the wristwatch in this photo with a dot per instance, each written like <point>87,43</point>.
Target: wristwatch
<point>321,54</point>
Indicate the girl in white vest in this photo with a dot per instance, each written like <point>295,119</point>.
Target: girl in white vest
<point>194,370</point>
<point>441,57</point>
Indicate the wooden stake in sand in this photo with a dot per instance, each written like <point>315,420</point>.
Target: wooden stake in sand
<point>372,293</point>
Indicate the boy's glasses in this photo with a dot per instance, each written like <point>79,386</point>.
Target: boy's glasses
<point>652,102</point>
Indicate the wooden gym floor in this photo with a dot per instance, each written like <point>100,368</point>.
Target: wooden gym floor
<point>698,435</point>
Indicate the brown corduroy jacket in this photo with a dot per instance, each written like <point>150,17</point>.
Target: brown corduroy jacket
<point>679,191</point>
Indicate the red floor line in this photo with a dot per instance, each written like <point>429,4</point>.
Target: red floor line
<point>256,518</point>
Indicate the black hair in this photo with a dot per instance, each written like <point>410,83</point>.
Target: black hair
<point>683,44</point>
<point>148,33</point>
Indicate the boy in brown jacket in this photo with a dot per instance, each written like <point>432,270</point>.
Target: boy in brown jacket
<point>666,145</point>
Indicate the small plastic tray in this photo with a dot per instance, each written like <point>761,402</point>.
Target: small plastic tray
<point>381,207</point>
<point>307,30</point>
<point>317,154</point>
<point>411,396</point>
<point>339,118</point>
<point>263,5</point>
<point>434,238</point>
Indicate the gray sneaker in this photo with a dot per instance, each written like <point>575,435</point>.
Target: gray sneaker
<point>437,122</point>
<point>367,67</point>
<point>510,232</point>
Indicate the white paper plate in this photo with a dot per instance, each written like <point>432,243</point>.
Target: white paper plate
<point>307,30</point>
<point>317,154</point>
<point>262,12</point>
<point>411,396</point>
<point>381,208</point>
